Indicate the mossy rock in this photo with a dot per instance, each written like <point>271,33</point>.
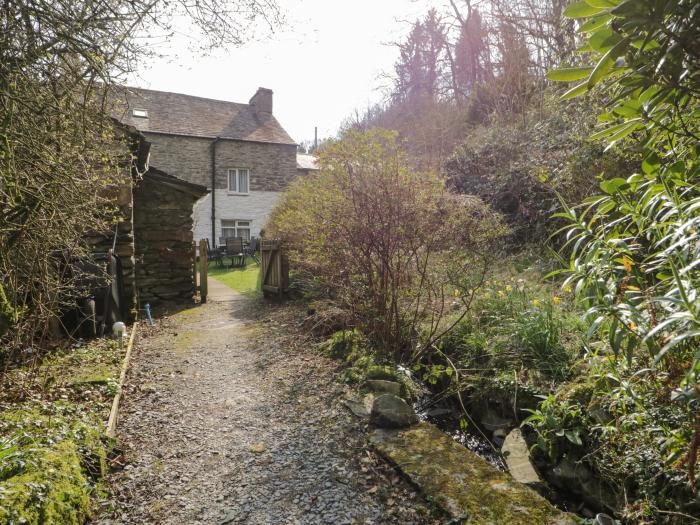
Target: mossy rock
<point>345,343</point>
<point>53,490</point>
<point>463,484</point>
<point>52,461</point>
<point>384,373</point>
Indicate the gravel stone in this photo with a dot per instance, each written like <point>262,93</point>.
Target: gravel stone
<point>221,378</point>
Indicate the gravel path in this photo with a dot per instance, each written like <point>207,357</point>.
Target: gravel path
<point>230,416</point>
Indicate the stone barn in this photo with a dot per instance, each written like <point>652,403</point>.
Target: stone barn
<point>163,237</point>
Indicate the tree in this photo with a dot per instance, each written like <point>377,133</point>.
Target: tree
<point>391,244</point>
<point>60,154</point>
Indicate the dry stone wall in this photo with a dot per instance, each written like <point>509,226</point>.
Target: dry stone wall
<point>163,227</point>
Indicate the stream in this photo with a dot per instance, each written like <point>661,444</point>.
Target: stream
<point>444,415</point>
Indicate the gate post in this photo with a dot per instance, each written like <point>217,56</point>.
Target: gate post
<point>203,270</point>
<point>194,264</point>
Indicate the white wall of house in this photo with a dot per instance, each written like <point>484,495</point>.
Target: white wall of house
<point>254,207</point>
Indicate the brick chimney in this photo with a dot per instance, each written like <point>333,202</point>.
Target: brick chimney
<point>262,102</point>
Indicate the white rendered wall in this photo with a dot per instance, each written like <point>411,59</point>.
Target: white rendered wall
<point>254,207</point>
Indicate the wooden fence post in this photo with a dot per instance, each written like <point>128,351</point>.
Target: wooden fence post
<point>203,270</point>
<point>194,264</point>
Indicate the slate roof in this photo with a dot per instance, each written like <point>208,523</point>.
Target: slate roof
<point>307,162</point>
<point>178,114</point>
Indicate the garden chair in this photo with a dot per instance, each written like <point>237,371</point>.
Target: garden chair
<point>236,251</point>
<point>252,250</point>
<point>214,255</point>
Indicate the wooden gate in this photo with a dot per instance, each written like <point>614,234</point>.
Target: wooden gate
<point>275,269</point>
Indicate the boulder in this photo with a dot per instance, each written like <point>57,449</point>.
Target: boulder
<point>492,421</point>
<point>382,386</point>
<point>464,485</point>
<point>390,411</point>
<point>575,477</point>
<point>517,458</point>
<point>361,406</point>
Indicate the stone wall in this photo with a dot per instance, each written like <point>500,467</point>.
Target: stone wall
<point>272,166</point>
<point>163,235</point>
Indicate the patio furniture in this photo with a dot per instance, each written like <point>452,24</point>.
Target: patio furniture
<point>236,251</point>
<point>215,255</point>
<point>252,250</point>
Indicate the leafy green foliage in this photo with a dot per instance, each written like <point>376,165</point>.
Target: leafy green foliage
<point>634,249</point>
<point>515,331</point>
<point>52,443</point>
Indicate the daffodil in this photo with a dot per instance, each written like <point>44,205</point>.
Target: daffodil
<point>535,302</point>
<point>501,293</point>
<point>509,288</point>
<point>555,299</point>
<point>627,263</point>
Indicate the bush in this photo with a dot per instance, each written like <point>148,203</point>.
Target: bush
<point>391,244</point>
<point>519,165</point>
<point>633,249</point>
<point>516,327</point>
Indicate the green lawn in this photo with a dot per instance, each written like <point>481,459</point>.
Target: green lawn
<point>244,280</point>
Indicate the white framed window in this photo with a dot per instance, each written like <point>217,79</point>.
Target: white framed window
<point>235,228</point>
<point>238,180</point>
<point>140,113</point>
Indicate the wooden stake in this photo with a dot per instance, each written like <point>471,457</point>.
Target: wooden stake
<point>113,414</point>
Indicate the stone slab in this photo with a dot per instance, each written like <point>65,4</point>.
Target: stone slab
<point>517,456</point>
<point>470,489</point>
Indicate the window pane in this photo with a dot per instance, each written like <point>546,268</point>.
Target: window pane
<point>228,228</point>
<point>244,224</point>
<point>232,180</point>
<point>244,233</point>
<point>243,181</point>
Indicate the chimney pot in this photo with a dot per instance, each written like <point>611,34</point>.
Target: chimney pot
<point>262,102</point>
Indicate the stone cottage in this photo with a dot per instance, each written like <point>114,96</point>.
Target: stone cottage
<point>240,152</point>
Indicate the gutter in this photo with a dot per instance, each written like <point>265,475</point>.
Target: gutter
<point>213,191</point>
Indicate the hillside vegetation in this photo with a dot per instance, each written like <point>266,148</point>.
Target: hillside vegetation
<point>583,323</point>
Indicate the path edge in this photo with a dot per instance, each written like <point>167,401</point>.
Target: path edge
<point>114,412</point>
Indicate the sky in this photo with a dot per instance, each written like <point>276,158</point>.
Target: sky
<point>327,61</point>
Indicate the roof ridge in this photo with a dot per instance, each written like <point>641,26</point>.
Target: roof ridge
<point>186,95</point>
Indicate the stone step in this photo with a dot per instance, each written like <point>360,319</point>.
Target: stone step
<point>465,485</point>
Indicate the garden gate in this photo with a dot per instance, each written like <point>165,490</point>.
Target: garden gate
<point>275,269</point>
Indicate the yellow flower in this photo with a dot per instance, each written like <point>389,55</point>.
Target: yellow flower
<point>535,302</point>
<point>457,292</point>
<point>627,263</point>
<point>501,293</point>
<point>555,299</point>
<point>567,289</point>
<point>632,326</point>
<point>509,288</point>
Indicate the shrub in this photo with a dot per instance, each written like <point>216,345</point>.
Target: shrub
<point>389,243</point>
<point>634,250</point>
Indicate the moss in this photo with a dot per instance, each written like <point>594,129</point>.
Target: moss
<point>385,373</point>
<point>346,345</point>
<point>461,482</point>
<point>53,457</point>
<point>53,491</point>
